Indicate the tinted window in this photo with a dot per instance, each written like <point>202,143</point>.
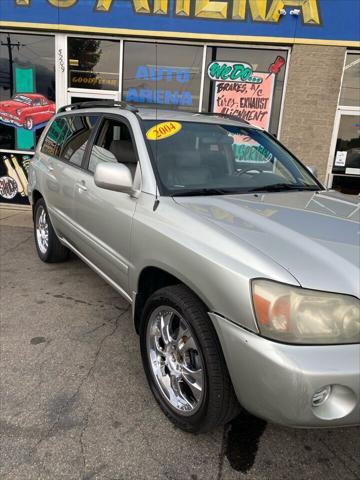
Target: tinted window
<point>68,136</point>
<point>113,144</point>
<point>54,137</point>
<point>78,132</point>
<point>162,74</point>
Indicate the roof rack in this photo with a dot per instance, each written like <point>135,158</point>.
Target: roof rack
<point>98,104</point>
<point>225,115</point>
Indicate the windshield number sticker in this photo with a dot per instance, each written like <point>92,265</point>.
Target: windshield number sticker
<point>163,130</point>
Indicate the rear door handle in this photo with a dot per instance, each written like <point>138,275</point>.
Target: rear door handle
<point>82,186</point>
<point>50,168</point>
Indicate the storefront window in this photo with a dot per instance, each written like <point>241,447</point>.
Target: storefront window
<point>345,168</point>
<point>259,103</point>
<point>27,102</point>
<point>162,74</point>
<point>93,64</point>
<point>350,91</point>
<point>27,88</point>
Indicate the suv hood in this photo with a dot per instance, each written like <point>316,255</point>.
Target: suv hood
<point>315,236</point>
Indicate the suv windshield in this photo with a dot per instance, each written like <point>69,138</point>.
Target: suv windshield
<point>194,158</point>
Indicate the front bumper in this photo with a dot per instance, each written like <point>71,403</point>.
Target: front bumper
<point>276,381</point>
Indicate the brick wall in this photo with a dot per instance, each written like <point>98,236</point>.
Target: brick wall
<point>310,103</point>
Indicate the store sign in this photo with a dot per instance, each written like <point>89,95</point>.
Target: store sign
<point>103,81</point>
<point>13,177</point>
<point>292,21</point>
<point>260,10</point>
<point>250,102</point>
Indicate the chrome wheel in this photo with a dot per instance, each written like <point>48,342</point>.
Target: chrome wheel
<point>175,360</point>
<point>42,230</point>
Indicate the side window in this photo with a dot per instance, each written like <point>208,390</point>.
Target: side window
<point>77,132</point>
<point>113,144</point>
<point>53,141</point>
<point>67,137</point>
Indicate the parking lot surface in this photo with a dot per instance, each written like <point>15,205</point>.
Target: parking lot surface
<point>75,403</point>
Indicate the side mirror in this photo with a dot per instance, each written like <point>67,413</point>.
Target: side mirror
<point>113,176</point>
<point>312,170</point>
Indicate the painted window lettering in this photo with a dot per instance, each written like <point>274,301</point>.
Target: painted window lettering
<point>151,73</point>
<point>234,72</point>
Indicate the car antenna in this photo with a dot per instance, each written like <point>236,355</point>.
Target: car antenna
<point>157,201</point>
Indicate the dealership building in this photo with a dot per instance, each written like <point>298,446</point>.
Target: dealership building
<point>305,55</point>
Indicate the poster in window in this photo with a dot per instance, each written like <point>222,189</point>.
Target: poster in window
<point>249,101</point>
<point>14,177</point>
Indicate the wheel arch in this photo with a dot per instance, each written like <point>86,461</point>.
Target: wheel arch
<point>152,278</point>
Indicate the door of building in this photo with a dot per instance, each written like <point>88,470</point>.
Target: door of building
<point>344,164</point>
<point>75,97</point>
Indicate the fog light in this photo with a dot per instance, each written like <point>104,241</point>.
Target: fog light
<point>320,397</point>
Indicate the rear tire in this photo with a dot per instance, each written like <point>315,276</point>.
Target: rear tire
<point>48,246</point>
<point>187,374</point>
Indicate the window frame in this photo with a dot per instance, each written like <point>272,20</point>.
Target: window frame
<point>101,121</point>
<point>90,139</point>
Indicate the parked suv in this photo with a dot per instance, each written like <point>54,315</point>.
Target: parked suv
<point>241,269</point>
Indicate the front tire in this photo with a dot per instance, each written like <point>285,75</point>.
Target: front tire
<point>183,361</point>
<point>48,246</point>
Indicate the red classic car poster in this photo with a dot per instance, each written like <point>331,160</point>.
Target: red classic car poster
<point>27,110</point>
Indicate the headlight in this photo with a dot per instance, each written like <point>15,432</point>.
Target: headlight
<point>296,315</point>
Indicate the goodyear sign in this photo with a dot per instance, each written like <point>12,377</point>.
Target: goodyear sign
<point>332,22</point>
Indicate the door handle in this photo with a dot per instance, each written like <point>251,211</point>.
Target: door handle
<point>50,168</point>
<point>82,186</point>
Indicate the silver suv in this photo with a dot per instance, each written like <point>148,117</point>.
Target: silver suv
<point>241,269</point>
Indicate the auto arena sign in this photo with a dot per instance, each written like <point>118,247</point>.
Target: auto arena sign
<point>284,21</point>
<point>260,10</point>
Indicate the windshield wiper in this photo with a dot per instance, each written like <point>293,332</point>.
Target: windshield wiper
<point>200,192</point>
<point>282,187</point>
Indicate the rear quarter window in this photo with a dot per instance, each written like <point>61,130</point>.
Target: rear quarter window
<point>54,138</point>
<point>67,137</point>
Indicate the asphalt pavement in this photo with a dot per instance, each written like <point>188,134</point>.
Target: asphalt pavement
<point>75,402</point>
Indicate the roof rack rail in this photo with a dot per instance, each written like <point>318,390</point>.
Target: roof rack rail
<point>225,115</point>
<point>97,104</point>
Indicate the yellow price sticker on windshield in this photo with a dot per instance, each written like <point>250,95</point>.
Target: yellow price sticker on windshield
<point>163,130</point>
